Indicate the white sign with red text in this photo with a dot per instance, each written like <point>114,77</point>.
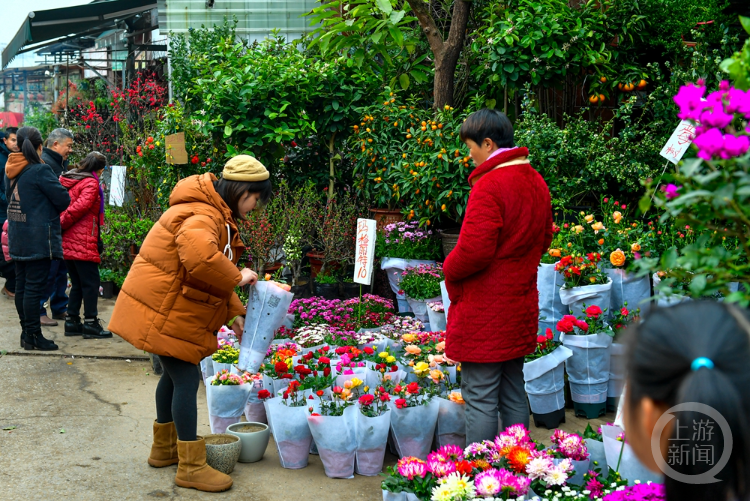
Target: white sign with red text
<point>679,142</point>
<point>365,251</point>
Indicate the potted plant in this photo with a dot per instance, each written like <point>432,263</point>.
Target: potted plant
<point>287,417</point>
<point>583,282</point>
<point>333,429</point>
<point>421,284</point>
<point>227,394</point>
<point>436,315</point>
<point>570,446</point>
<point>413,420</point>
<point>336,231</point>
<point>225,358</point>
<point>451,421</point>
<point>350,289</point>
<point>254,437</point>
<point>404,245</point>
<point>107,280</point>
<point>301,208</point>
<point>545,381</point>
<point>589,338</point>
<point>549,281</point>
<point>326,285</point>
<point>372,426</point>
<point>622,318</point>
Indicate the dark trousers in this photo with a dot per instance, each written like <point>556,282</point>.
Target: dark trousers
<point>491,388</point>
<point>57,282</point>
<point>8,270</point>
<point>176,397</point>
<point>31,280</point>
<point>84,280</point>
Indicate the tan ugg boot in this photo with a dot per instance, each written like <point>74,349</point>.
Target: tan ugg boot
<point>164,448</point>
<point>193,472</point>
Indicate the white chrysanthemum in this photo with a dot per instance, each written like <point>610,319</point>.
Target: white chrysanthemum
<point>566,465</point>
<point>538,468</point>
<point>441,493</point>
<point>556,477</point>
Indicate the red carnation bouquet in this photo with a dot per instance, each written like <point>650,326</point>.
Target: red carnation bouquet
<point>580,270</point>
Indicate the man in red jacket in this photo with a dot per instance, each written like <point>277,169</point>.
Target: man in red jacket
<point>491,275</point>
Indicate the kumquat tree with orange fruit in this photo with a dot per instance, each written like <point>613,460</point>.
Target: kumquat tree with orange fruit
<point>411,159</point>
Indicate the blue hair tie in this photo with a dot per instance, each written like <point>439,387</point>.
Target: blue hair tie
<point>701,362</point>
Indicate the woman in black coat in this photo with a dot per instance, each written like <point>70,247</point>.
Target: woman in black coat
<point>35,201</point>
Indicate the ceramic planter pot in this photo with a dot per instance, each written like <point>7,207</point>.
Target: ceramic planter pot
<point>222,451</point>
<point>449,239</point>
<point>254,438</point>
<point>384,217</point>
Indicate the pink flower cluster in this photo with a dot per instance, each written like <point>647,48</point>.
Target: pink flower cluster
<point>712,114</point>
<point>495,483</point>
<point>397,233</point>
<point>569,445</point>
<point>317,310</point>
<point>411,467</point>
<point>433,270</point>
<point>638,492</point>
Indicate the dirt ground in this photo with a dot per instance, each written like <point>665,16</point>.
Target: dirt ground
<point>75,426</point>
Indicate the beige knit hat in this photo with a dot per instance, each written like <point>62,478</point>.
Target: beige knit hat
<point>245,168</point>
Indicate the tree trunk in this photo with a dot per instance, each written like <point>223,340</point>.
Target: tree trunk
<point>331,167</point>
<point>443,85</point>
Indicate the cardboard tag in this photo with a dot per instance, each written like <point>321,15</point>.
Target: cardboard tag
<point>175,148</point>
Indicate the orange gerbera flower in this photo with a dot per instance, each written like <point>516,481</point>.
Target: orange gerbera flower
<point>518,458</point>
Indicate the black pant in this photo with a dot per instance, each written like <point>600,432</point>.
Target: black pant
<point>84,280</point>
<point>8,270</point>
<point>176,397</point>
<point>31,281</point>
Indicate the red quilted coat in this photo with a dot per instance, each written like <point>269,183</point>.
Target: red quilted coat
<point>80,221</point>
<point>491,273</point>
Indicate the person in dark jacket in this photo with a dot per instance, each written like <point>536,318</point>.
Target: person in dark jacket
<point>80,239</point>
<point>35,201</point>
<point>59,147</point>
<point>8,145</point>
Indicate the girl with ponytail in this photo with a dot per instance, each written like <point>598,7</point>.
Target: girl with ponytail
<point>35,201</point>
<point>692,353</point>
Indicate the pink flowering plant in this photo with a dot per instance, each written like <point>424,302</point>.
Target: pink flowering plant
<point>422,281</point>
<point>709,193</point>
<point>409,475</point>
<point>225,378</point>
<point>317,310</point>
<point>370,311</point>
<point>568,445</point>
<point>406,240</point>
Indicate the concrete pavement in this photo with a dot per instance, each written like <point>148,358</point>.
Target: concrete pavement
<point>80,428</point>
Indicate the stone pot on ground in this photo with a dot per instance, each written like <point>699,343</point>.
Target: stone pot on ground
<point>222,451</point>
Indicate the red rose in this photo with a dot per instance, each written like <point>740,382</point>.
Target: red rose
<point>624,312</point>
<point>281,368</point>
<point>400,403</point>
<point>307,356</point>
<point>366,399</point>
<point>397,389</point>
<point>394,368</point>
<point>327,371</point>
<point>412,388</point>
<point>582,325</point>
<point>324,360</point>
<point>195,159</point>
<point>341,350</point>
<point>310,397</point>
<point>315,414</point>
<point>287,376</point>
<point>384,397</point>
<point>566,324</point>
<point>294,385</point>
<point>262,394</point>
<point>549,334</point>
<point>593,311</point>
<point>319,393</point>
<point>285,396</point>
<point>369,350</point>
<point>325,349</point>
<point>541,339</point>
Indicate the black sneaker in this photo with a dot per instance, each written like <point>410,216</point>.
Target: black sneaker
<point>92,329</point>
<point>73,326</point>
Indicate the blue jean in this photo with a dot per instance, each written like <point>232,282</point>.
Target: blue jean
<point>57,282</point>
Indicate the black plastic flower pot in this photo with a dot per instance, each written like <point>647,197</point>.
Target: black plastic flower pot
<point>327,291</point>
<point>549,420</point>
<point>590,411</point>
<point>612,403</point>
<point>351,289</point>
<point>108,289</point>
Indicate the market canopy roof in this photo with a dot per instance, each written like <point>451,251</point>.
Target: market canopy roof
<point>90,19</point>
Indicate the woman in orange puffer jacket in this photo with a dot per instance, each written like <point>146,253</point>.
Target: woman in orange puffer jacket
<point>80,240</point>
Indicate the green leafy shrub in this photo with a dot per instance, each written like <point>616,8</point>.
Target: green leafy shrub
<point>119,231</point>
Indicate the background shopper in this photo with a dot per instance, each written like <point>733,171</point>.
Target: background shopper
<point>35,200</point>
<point>59,147</point>
<point>81,224</point>
<point>8,145</point>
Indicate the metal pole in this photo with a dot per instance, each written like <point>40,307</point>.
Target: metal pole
<point>67,84</point>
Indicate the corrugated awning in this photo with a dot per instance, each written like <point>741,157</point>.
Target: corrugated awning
<point>91,19</point>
